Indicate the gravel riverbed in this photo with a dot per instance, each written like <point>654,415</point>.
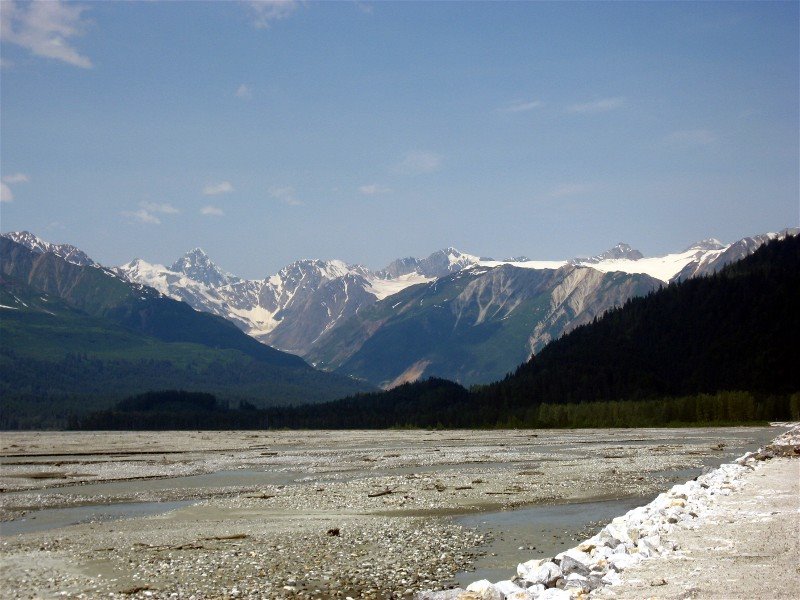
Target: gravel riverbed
<point>730,530</point>
<point>307,514</point>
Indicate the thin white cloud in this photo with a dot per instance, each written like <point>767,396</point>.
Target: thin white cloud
<point>45,29</point>
<point>374,189</point>
<point>215,189</point>
<point>244,92</point>
<point>566,190</point>
<point>598,106</point>
<point>148,212</point>
<point>165,208</point>
<point>16,178</point>
<point>54,225</point>
<point>142,216</point>
<point>211,211</point>
<point>691,137</point>
<point>265,12</point>
<point>419,162</point>
<point>521,106</point>
<point>6,195</point>
<point>365,7</point>
<point>286,195</point>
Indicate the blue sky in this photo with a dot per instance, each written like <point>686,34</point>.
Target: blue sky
<point>267,132</point>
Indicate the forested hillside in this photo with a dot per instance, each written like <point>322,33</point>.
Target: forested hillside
<point>77,338</point>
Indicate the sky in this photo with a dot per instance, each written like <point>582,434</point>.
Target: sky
<point>266,132</point>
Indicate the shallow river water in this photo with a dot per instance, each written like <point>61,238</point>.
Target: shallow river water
<point>524,494</point>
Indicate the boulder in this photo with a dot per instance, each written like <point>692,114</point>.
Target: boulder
<point>535,589</point>
<point>508,587</point>
<point>614,534</point>
<point>570,565</point>
<point>577,582</point>
<point>546,574</point>
<point>611,578</point>
<point>532,565</point>
<point>484,590</point>
<point>620,562</point>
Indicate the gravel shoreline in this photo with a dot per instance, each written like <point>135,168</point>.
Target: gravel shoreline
<point>335,514</point>
<point>652,533</point>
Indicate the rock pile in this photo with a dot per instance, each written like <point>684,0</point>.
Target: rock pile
<point>641,533</point>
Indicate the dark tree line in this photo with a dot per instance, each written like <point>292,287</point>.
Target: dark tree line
<point>433,403</point>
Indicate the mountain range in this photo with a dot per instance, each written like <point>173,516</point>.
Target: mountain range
<point>707,350</point>
<point>79,336</point>
<point>452,314</point>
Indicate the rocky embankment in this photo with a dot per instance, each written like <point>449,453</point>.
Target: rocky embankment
<point>644,533</point>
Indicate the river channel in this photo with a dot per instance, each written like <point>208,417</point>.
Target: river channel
<point>485,500</point>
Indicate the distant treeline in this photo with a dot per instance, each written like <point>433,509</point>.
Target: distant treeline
<point>46,394</point>
<point>434,403</point>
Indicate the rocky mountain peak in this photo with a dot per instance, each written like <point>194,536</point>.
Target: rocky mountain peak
<point>706,245</point>
<point>618,252</point>
<point>36,244</point>
<point>196,265</point>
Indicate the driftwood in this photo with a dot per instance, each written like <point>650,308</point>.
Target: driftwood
<point>386,492</point>
<point>235,536</point>
<point>261,496</point>
<point>136,590</point>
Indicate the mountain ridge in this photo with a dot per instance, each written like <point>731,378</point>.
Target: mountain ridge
<point>304,307</point>
<point>79,337</point>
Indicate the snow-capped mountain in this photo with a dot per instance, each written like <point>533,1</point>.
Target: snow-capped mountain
<point>198,267</point>
<point>297,308</point>
<point>479,323</point>
<point>472,326</point>
<point>39,246</point>
<point>620,251</point>
<point>438,264</point>
<point>701,258</point>
<point>289,310</point>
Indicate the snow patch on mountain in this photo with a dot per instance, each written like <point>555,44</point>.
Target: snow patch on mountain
<point>661,267</point>
<point>383,288</point>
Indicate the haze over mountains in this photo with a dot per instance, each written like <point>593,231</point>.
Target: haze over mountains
<point>452,314</point>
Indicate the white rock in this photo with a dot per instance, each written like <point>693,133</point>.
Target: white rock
<point>554,594</point>
<point>577,554</point>
<point>523,595</point>
<point>611,578</point>
<point>536,589</point>
<point>602,552</point>
<point>485,590</point>
<point>573,565</point>
<point>614,533</point>
<point>507,587</point>
<point>524,568</point>
<point>546,574</point>
<point>620,562</point>
<point>575,581</point>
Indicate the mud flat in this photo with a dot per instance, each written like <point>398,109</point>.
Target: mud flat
<point>309,514</point>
